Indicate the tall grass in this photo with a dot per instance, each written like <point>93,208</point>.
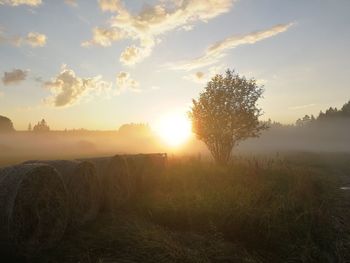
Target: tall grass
<point>254,210</point>
<point>273,209</point>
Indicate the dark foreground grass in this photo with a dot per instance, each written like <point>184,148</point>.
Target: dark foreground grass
<point>129,238</point>
<point>255,210</point>
<point>274,210</point>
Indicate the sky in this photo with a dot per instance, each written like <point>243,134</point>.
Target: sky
<point>99,64</point>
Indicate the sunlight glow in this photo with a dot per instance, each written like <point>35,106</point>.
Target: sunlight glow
<point>174,129</point>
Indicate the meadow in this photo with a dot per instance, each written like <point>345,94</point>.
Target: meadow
<point>181,131</point>
<point>281,208</point>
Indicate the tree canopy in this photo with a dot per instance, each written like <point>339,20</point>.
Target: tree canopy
<point>41,126</point>
<point>135,129</point>
<point>6,124</point>
<point>227,113</point>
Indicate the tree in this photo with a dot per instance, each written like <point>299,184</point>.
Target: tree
<point>41,126</point>
<point>334,113</point>
<point>306,120</point>
<point>29,127</point>
<point>135,130</point>
<point>6,124</point>
<point>346,109</point>
<point>227,113</point>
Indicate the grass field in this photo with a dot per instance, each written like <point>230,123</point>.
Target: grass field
<point>259,209</point>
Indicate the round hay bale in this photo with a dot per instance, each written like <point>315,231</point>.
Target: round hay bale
<point>145,170</point>
<point>113,176</point>
<point>82,186</point>
<point>137,166</point>
<point>33,208</point>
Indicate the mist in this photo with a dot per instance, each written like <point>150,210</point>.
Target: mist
<point>330,136</point>
<point>20,146</point>
<point>327,136</point>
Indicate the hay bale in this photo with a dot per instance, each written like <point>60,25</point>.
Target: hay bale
<point>33,208</point>
<point>113,176</point>
<point>158,162</point>
<point>82,186</point>
<point>145,170</point>
<point>137,166</point>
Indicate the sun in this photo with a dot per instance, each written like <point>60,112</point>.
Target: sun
<point>174,129</point>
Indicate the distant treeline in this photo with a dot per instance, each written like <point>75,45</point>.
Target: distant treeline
<point>327,132</point>
<point>329,115</point>
<point>131,129</point>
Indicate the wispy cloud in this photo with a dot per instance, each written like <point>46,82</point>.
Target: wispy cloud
<point>110,5</point>
<point>133,54</point>
<point>125,82</point>
<point>198,77</point>
<point>32,39</point>
<point>300,107</point>
<point>20,2</point>
<point>67,88</point>
<point>104,37</point>
<point>35,39</point>
<point>152,22</point>
<point>218,50</point>
<point>202,77</point>
<point>14,77</point>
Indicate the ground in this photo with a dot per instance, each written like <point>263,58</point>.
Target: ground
<point>288,208</point>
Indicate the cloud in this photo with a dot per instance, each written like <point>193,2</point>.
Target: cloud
<point>35,39</point>
<point>67,89</point>
<point>4,39</point>
<point>14,77</point>
<point>203,77</point>
<point>300,107</point>
<point>161,18</point>
<point>20,2</point>
<point>217,51</point>
<point>110,5</point>
<point>133,54</point>
<point>71,2</point>
<point>104,37</point>
<point>154,21</point>
<point>125,82</point>
<point>197,77</point>
<point>32,39</point>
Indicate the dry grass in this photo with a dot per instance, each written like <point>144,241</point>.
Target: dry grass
<point>258,209</point>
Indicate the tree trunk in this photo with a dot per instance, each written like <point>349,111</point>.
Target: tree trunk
<point>221,154</point>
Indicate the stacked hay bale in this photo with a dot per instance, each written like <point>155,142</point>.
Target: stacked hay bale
<point>145,170</point>
<point>113,176</point>
<point>33,208</point>
<point>137,166</point>
<point>158,161</point>
<point>38,199</point>
<point>83,189</point>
